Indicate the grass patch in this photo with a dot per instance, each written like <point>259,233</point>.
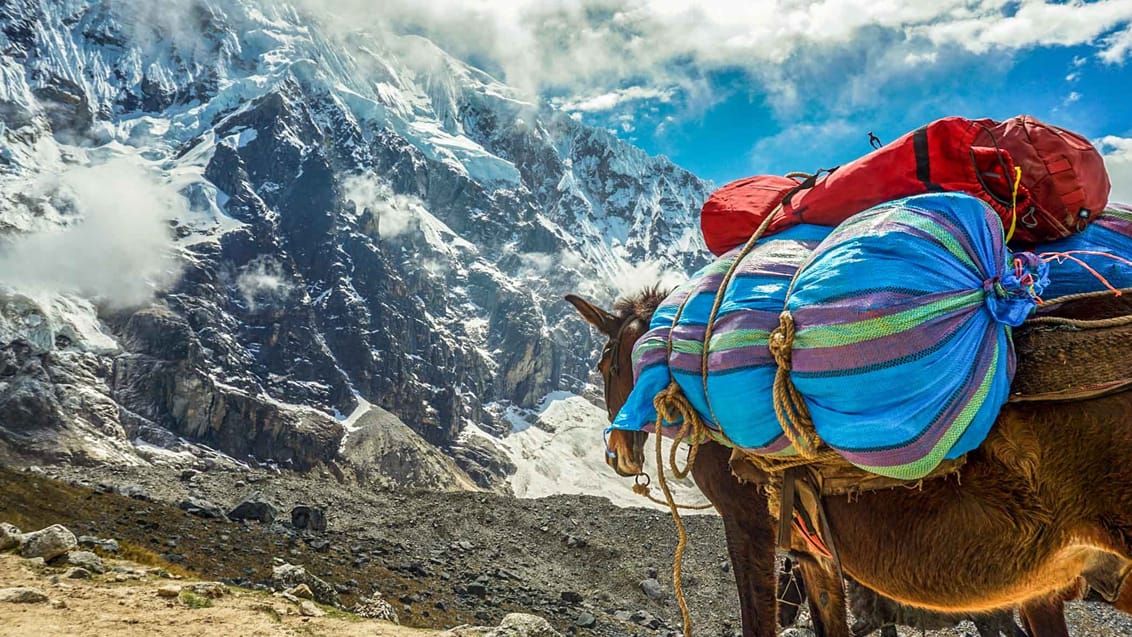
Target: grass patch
<point>194,601</point>
<point>338,613</point>
<point>141,555</point>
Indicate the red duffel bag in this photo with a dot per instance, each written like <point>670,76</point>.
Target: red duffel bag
<point>1061,187</point>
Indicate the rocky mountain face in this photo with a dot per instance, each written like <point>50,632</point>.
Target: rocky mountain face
<point>357,219</point>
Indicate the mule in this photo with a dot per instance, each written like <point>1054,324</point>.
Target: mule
<point>1048,492</point>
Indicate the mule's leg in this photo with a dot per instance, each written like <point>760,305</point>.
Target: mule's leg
<point>826,596</point>
<point>750,538</point>
<point>791,593</point>
<point>1045,616</point>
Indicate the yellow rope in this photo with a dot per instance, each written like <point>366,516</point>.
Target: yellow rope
<point>789,405</point>
<point>644,491</point>
<point>1014,203</point>
<point>662,406</point>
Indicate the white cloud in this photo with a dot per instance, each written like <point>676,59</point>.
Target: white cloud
<point>636,277</point>
<point>595,46</point>
<point>1118,47</point>
<point>611,100</point>
<point>1073,96</point>
<point>1035,23</point>
<point>263,283</point>
<point>1118,160</point>
<point>394,214</point>
<point>117,249</point>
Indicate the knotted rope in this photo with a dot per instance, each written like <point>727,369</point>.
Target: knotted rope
<point>789,405</point>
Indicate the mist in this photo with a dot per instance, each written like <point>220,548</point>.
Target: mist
<point>394,214</point>
<point>116,247</point>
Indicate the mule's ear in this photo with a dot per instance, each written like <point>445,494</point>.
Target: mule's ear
<point>605,322</point>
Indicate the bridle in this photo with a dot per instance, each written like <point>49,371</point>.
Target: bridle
<point>612,353</point>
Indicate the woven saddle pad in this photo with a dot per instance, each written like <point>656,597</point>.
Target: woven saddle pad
<point>1078,350</point>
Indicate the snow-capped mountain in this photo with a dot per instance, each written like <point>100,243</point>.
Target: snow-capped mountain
<point>356,219</point>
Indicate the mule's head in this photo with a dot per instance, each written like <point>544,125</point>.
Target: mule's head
<point>628,322</point>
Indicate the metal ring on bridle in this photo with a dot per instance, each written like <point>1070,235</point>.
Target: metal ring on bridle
<point>647,481</point>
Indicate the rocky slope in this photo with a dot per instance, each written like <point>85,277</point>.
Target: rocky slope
<point>441,559</point>
<point>132,600</point>
<point>356,218</point>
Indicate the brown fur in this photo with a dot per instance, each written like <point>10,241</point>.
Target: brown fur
<point>1050,486</point>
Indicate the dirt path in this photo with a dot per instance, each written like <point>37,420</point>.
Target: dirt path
<point>101,606</point>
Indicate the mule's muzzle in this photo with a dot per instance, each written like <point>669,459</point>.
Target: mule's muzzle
<point>626,453</point>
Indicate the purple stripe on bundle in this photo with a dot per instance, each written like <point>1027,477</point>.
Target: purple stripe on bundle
<point>1119,225</point>
<point>746,320</point>
<point>740,358</point>
<point>861,355</point>
<point>649,359</point>
<point>674,299</point>
<point>690,363</point>
<point>758,267</point>
<point>921,446</point>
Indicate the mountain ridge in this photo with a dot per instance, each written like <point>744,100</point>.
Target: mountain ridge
<point>357,217</point>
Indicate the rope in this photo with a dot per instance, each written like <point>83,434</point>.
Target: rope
<point>644,491</point>
<point>1060,257</point>
<point>1082,295</point>
<point>1014,203</point>
<point>1084,324</point>
<point>662,402</point>
<point>789,405</point>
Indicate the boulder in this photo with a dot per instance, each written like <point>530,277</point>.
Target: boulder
<point>376,608</point>
<point>10,536</point>
<point>308,518</point>
<point>254,507</point>
<point>285,577</point>
<point>201,508</point>
<point>87,560</point>
<point>524,625</point>
<point>308,609</point>
<point>22,595</point>
<point>49,543</point>
<point>652,588</point>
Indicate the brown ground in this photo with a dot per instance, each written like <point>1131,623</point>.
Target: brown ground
<point>102,607</point>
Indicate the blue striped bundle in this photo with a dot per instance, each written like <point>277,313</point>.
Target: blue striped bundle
<point>902,349</point>
<point>1072,258</point>
<point>740,368</point>
<point>903,316</point>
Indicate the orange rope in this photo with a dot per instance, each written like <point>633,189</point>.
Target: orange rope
<point>1061,257</point>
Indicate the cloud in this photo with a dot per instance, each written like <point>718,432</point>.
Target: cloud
<point>613,99</point>
<point>394,214</point>
<point>117,248</point>
<point>595,48</point>
<point>1035,23</point>
<point>837,133</point>
<point>1118,47</point>
<point>1118,160</point>
<point>263,282</point>
<point>636,277</point>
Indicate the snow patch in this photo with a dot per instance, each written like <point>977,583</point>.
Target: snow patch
<point>558,449</point>
<point>350,423</point>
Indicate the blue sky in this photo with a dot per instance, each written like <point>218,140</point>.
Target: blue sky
<point>729,89</point>
<point>742,135</point>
